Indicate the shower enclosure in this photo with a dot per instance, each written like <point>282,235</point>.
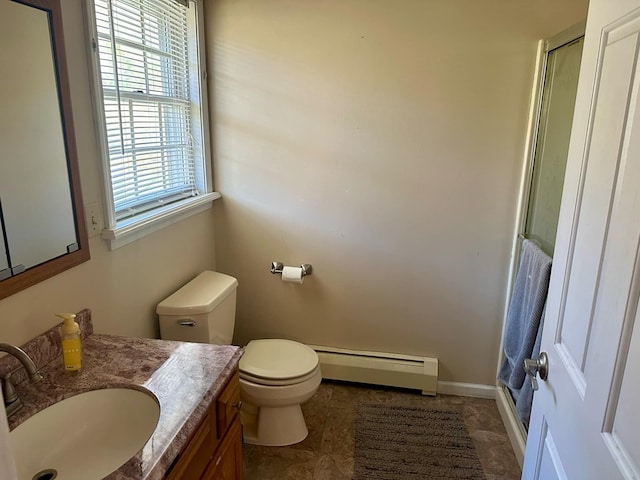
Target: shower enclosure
<point>541,191</point>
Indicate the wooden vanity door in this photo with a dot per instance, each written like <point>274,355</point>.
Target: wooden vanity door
<point>227,463</point>
<point>214,452</point>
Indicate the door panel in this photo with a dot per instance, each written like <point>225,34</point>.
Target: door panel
<point>549,464</point>
<point>608,124</point>
<point>625,422</point>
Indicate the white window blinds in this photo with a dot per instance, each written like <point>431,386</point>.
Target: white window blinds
<point>147,55</point>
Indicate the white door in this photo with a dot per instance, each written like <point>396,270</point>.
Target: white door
<point>585,422</point>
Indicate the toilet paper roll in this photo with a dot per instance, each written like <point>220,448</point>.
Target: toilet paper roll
<point>292,274</point>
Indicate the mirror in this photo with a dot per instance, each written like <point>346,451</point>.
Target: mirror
<point>41,211</point>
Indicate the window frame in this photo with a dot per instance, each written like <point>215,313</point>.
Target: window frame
<point>121,232</point>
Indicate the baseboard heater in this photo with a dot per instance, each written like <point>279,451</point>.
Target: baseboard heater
<point>378,368</point>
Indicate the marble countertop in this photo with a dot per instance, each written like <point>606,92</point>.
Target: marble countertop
<point>184,377</point>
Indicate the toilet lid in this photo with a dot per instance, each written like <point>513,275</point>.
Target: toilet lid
<point>277,359</point>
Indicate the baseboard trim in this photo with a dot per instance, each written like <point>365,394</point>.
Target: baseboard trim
<point>513,426</point>
<point>467,389</point>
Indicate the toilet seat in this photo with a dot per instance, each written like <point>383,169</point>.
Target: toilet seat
<point>278,362</point>
<point>278,382</point>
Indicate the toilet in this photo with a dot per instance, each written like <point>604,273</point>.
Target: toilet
<point>276,375</point>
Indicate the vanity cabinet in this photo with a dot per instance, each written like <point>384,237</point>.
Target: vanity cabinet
<point>214,451</point>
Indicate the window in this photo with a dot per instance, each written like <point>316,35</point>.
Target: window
<point>152,113</point>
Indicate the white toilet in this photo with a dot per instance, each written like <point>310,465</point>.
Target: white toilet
<point>276,376</point>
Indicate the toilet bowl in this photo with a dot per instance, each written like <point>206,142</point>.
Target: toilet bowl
<point>276,375</point>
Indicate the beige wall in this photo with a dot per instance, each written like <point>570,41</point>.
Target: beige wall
<point>381,142</point>
<point>121,287</point>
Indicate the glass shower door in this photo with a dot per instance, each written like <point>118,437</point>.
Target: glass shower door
<point>552,144</point>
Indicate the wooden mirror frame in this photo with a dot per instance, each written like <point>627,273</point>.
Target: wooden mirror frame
<point>57,265</point>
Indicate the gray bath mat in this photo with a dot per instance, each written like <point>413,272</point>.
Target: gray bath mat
<point>410,443</point>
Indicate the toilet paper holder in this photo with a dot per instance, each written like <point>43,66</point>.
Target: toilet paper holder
<point>276,267</point>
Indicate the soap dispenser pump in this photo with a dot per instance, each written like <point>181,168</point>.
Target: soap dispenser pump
<point>71,343</point>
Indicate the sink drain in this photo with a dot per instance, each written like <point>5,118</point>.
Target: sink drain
<point>48,474</point>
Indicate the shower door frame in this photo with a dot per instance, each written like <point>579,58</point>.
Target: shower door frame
<point>515,430</point>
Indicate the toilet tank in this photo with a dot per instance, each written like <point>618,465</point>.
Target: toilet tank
<point>203,310</point>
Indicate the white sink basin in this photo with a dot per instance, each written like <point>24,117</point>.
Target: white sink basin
<point>87,436</point>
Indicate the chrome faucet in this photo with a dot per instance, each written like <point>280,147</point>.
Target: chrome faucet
<point>11,400</point>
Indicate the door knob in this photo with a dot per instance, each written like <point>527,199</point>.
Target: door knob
<point>538,367</point>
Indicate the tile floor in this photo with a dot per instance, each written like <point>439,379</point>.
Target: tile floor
<point>327,453</point>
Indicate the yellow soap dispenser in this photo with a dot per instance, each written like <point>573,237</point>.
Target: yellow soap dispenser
<point>71,343</point>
